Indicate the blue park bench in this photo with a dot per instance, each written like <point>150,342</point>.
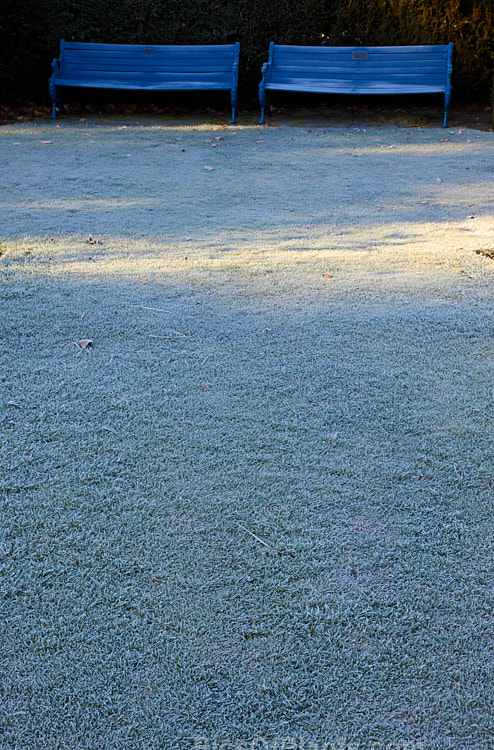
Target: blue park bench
<point>146,68</point>
<point>358,70</point>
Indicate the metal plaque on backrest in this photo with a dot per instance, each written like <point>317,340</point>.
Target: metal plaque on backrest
<point>359,55</point>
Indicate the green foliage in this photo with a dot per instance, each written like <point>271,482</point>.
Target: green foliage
<point>31,30</point>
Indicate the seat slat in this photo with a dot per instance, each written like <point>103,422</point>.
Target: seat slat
<point>155,85</point>
<point>136,79</point>
<point>397,79</point>
<point>372,87</point>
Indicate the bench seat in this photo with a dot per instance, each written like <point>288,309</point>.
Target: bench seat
<point>358,70</point>
<point>146,68</point>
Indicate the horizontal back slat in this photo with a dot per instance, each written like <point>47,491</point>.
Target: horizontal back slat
<point>347,59</point>
<point>149,60</point>
<point>380,70</point>
<point>135,49</point>
<point>154,58</point>
<point>403,50</point>
<point>144,67</point>
<point>381,61</point>
<point>374,64</point>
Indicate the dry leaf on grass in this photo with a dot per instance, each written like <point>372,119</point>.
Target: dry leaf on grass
<point>84,344</point>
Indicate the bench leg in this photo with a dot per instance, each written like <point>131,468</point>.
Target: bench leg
<point>265,109</point>
<point>447,99</point>
<point>263,101</point>
<point>56,101</point>
<point>234,105</point>
<point>53,97</point>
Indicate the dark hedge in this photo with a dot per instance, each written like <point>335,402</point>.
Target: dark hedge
<point>30,31</point>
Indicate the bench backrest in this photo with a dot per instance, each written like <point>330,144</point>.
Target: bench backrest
<point>211,64</point>
<point>429,66</point>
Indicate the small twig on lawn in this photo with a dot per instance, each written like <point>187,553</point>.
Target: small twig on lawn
<point>154,309</point>
<point>254,535</point>
<point>172,335</point>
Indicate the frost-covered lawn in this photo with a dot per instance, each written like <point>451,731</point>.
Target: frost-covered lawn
<point>260,502</point>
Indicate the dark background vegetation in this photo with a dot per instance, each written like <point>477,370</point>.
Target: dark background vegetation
<point>30,31</point>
